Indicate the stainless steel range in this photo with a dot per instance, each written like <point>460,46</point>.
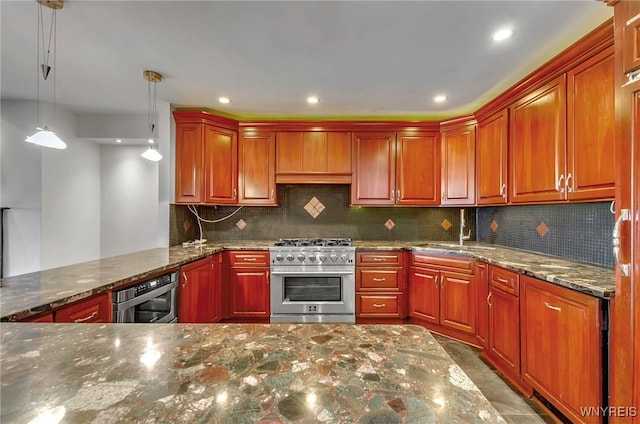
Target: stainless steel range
<point>313,280</point>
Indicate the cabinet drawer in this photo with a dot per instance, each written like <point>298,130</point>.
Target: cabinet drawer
<point>379,258</point>
<point>440,262</point>
<point>379,305</point>
<point>48,317</point>
<point>94,309</point>
<point>504,279</point>
<point>378,279</point>
<point>248,257</point>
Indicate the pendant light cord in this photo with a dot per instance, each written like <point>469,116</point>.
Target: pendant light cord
<point>53,29</point>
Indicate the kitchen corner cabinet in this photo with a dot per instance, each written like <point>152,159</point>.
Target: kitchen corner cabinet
<point>396,169</point>
<point>491,160</point>
<point>458,165</point>
<point>93,309</point>
<point>443,295</point>
<point>313,157</point>
<point>561,346</point>
<point>380,286</point>
<point>199,299</point>
<point>249,286</point>
<point>256,169</point>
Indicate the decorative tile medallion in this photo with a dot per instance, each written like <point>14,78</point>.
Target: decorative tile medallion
<point>494,226</point>
<point>241,224</point>
<point>389,224</point>
<point>446,224</point>
<point>542,229</point>
<point>314,207</point>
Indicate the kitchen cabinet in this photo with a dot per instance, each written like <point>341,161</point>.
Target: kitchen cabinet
<point>199,297</point>
<point>249,287</point>
<point>482,282</point>
<point>537,144</point>
<point>206,159</point>
<point>396,169</point>
<point>256,169</point>
<point>491,159</point>
<point>443,295</point>
<point>306,157</point>
<point>380,286</point>
<point>46,317</point>
<point>93,309</point>
<point>458,163</point>
<point>630,35</point>
<point>561,346</point>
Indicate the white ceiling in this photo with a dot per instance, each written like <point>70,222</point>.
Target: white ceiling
<point>385,58</point>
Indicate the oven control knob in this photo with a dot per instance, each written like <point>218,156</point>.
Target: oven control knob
<point>279,257</point>
<point>312,258</point>
<point>333,257</point>
<point>322,257</point>
<point>289,257</point>
<point>344,257</point>
<point>301,257</point>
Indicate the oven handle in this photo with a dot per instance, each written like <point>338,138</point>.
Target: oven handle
<point>147,296</point>
<point>312,273</point>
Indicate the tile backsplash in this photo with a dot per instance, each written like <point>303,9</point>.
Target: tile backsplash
<point>577,231</point>
<point>319,211</point>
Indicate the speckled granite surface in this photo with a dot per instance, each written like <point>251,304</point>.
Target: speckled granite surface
<point>29,294</point>
<point>179,373</point>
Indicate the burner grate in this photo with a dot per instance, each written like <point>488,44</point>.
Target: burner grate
<point>305,242</point>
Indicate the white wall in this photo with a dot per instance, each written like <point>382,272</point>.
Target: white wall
<point>129,200</point>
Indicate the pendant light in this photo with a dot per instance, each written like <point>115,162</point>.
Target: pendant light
<point>47,137</point>
<point>152,78</point>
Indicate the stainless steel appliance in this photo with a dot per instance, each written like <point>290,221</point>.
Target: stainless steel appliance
<point>151,301</point>
<point>313,280</point>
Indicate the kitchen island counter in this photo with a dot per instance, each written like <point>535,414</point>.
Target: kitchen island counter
<point>277,373</point>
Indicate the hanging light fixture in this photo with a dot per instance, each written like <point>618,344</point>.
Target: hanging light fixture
<point>47,137</point>
<point>152,78</point>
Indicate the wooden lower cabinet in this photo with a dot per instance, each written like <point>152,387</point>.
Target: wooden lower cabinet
<point>199,299</point>
<point>94,309</point>
<point>482,283</point>
<point>380,286</point>
<point>248,286</point>
<point>561,347</point>
<point>504,332</point>
<point>424,295</point>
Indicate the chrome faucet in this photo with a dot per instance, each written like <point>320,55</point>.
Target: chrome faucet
<point>462,236</point>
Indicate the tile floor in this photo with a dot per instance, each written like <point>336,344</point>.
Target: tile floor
<point>514,407</point>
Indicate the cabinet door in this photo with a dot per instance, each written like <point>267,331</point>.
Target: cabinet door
<point>189,163</point>
<point>458,300</point>
<point>537,144</point>
<point>257,177</point>
<point>504,330</point>
<point>289,152</point>
<point>94,309</point>
<point>418,169</point>
<point>491,160</point>
<point>339,153</point>
<point>631,36</point>
<point>458,166</point>
<point>424,295</point>
<point>220,153</point>
<point>314,152</point>
<point>561,346</point>
<point>591,129</point>
<point>197,292</point>
<point>374,165</point>
<point>250,292</point>
<point>482,283</point>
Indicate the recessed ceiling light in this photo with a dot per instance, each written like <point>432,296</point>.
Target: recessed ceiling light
<point>118,140</point>
<point>224,100</point>
<point>150,141</point>
<point>502,34</point>
<point>440,98</point>
<point>312,100</point>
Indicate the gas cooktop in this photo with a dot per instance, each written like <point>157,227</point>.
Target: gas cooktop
<point>307,242</point>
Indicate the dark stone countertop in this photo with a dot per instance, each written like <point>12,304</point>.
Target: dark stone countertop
<point>30,294</point>
<point>240,373</point>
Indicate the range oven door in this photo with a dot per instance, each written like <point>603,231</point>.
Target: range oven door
<point>312,293</point>
<point>156,306</point>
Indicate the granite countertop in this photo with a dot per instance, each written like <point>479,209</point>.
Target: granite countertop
<point>239,373</point>
<point>30,294</point>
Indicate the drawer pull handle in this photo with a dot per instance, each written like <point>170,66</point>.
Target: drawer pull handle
<point>186,280</point>
<point>555,308</point>
<point>489,299</point>
<point>379,305</point>
<point>87,318</point>
<point>250,259</point>
<point>502,280</point>
<point>625,215</point>
<point>379,279</point>
<point>378,259</point>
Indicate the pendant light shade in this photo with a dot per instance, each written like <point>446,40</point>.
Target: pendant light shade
<point>152,78</point>
<point>46,137</point>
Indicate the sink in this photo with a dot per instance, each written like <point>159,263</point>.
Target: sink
<point>458,247</point>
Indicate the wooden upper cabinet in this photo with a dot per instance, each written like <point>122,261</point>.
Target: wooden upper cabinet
<point>374,165</point>
<point>220,165</point>
<point>631,36</point>
<point>591,128</point>
<point>537,144</point>
<point>458,165</point>
<point>418,169</point>
<point>491,160</point>
<point>313,157</point>
<point>189,166</point>
<point>256,169</point>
